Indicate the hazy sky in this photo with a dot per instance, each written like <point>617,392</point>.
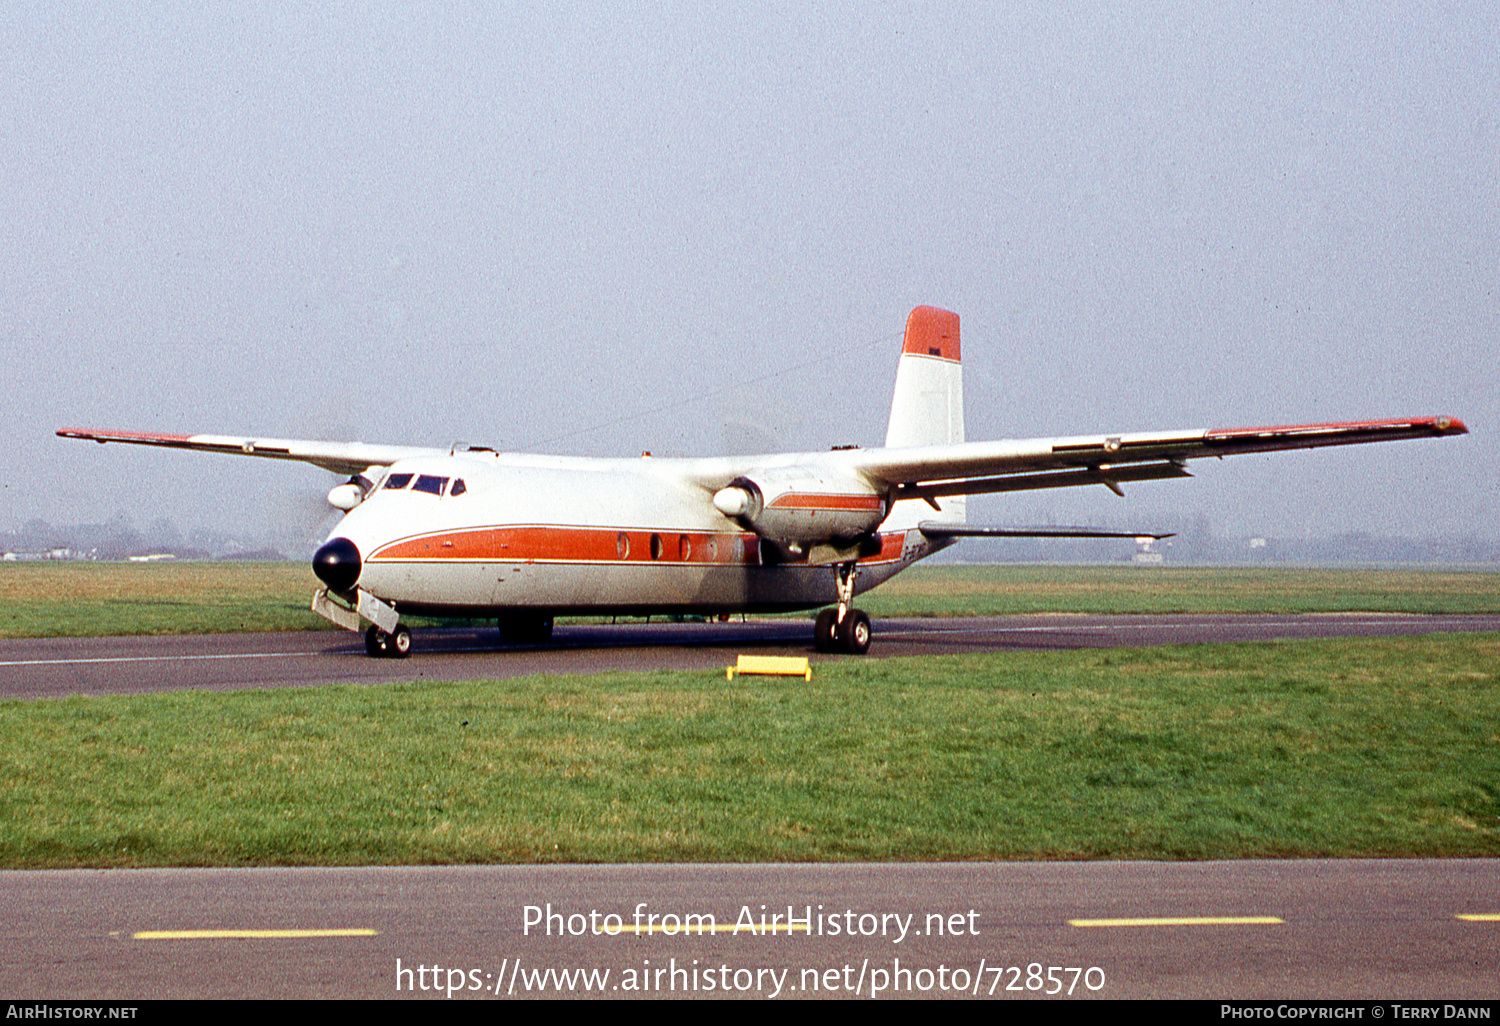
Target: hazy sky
<point>683,227</point>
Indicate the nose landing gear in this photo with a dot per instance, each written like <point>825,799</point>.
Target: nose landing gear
<point>395,645</point>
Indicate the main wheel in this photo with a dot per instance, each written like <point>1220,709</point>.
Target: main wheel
<point>398,645</point>
<point>824,630</point>
<point>854,632</point>
<point>375,641</point>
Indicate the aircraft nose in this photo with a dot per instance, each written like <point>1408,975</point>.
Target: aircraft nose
<point>337,564</point>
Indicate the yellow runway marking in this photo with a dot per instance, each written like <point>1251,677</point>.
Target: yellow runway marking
<point>1182,921</point>
<point>1488,917</point>
<point>246,934</point>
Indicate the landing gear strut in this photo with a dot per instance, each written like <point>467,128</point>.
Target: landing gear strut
<point>395,645</point>
<point>844,629</point>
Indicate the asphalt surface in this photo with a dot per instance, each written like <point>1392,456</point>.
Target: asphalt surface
<point>57,667</point>
<point>1385,930</point>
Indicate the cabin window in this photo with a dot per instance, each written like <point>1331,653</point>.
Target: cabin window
<point>458,488</point>
<point>656,546</point>
<point>684,548</point>
<point>622,545</point>
<point>430,484</point>
<point>396,481</point>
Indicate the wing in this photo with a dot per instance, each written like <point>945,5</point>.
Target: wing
<point>969,468</point>
<point>339,457</point>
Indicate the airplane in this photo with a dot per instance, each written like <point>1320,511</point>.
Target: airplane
<point>468,531</point>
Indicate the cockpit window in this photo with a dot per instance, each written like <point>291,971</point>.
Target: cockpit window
<point>458,488</point>
<point>430,483</point>
<point>398,481</point>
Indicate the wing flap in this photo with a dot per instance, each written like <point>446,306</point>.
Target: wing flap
<point>1105,474</point>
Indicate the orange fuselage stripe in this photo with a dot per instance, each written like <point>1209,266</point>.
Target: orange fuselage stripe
<point>590,545</point>
<point>807,500</point>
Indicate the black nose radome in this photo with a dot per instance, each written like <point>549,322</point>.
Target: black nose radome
<point>337,564</point>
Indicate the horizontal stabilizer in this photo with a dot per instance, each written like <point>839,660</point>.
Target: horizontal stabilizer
<point>935,529</point>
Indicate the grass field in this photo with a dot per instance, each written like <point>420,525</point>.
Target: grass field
<point>1325,748</point>
<point>1002,590</point>
<point>84,599</point>
<point>39,600</point>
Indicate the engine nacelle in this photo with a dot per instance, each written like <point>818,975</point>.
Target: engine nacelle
<point>801,508</point>
<point>353,491</point>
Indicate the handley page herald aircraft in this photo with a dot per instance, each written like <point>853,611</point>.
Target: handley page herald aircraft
<point>472,532</point>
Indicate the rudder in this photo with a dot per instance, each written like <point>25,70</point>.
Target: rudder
<point>928,407</point>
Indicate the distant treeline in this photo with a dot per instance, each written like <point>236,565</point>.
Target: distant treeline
<point>118,538</point>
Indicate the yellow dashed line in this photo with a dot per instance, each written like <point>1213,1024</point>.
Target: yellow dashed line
<point>246,934</point>
<point>1487,917</point>
<point>1182,921</point>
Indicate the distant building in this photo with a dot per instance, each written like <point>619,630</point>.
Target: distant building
<point>1146,553</point>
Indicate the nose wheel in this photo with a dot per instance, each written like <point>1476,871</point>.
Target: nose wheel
<point>844,629</point>
<point>395,645</point>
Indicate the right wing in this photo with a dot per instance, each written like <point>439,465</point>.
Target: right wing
<point>339,457</point>
<point>969,468</point>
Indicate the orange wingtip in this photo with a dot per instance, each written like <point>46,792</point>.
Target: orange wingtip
<point>95,435</point>
<point>1433,425</point>
<point>932,332</point>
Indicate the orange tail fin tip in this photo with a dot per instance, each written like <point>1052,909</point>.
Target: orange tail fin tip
<point>932,332</point>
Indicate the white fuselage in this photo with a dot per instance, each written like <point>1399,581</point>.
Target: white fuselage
<point>565,535</point>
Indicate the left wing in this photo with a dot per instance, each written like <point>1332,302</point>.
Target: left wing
<point>339,457</point>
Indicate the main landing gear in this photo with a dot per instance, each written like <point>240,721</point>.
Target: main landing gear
<point>396,645</point>
<point>843,629</point>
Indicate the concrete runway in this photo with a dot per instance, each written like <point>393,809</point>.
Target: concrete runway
<point>1275,930</point>
<point>57,667</point>
<point>1374,929</point>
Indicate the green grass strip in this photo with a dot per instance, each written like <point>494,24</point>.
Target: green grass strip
<point>1323,748</point>
<point>93,599</point>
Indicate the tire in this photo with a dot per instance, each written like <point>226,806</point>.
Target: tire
<point>375,643</point>
<point>398,645</point>
<point>824,631</point>
<point>854,633</point>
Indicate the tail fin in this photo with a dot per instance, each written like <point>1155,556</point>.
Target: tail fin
<point>928,408</point>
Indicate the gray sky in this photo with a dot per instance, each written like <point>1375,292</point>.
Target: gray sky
<point>679,227</point>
